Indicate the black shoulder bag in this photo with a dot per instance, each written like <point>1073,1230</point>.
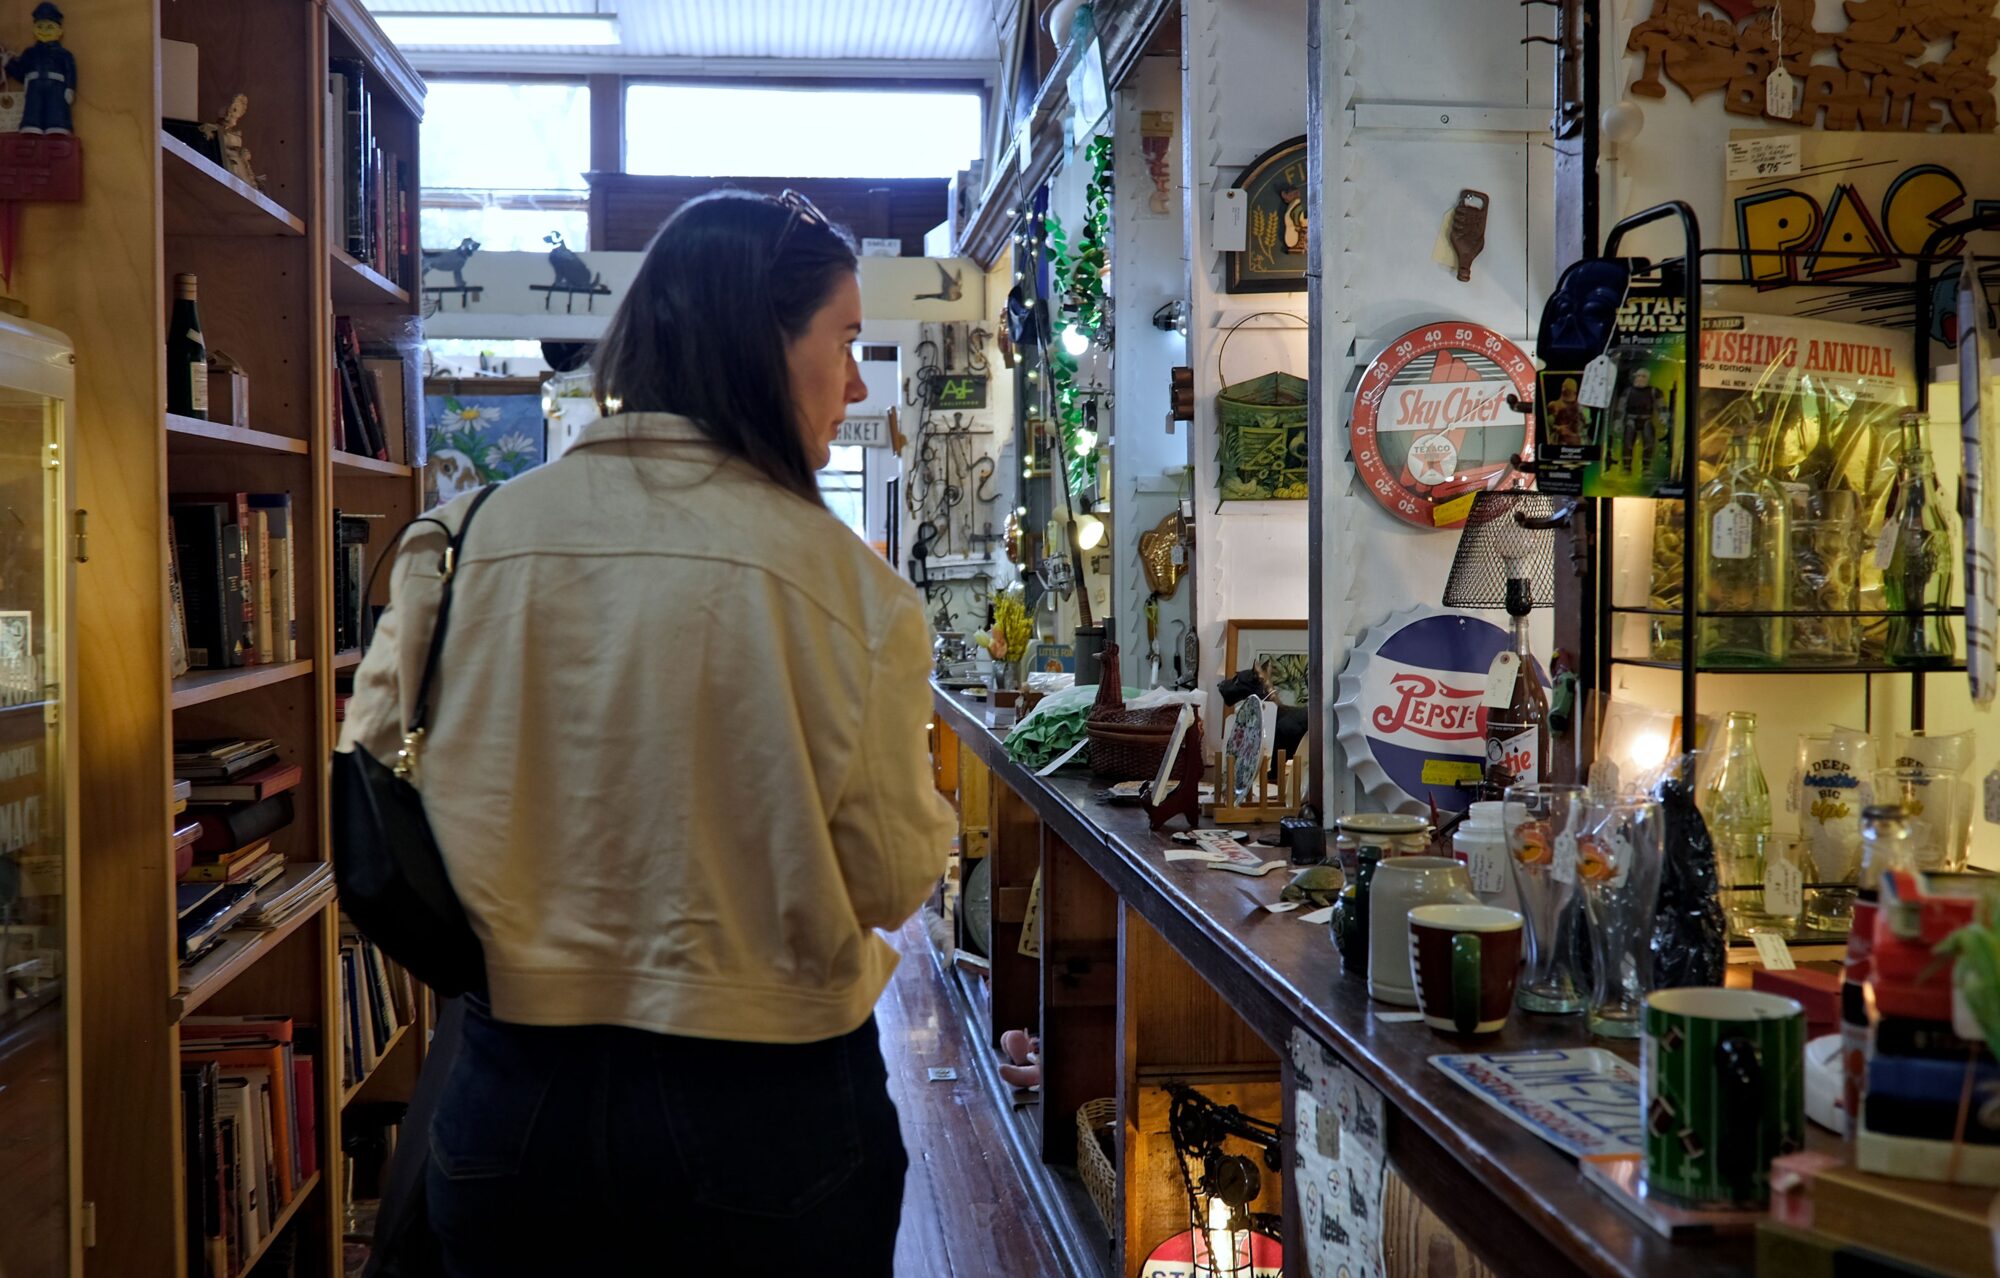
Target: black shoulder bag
<point>392,880</point>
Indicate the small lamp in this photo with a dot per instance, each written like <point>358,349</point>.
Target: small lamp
<point>1220,1224</point>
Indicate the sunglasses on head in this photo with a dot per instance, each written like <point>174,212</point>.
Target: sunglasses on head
<point>798,209</point>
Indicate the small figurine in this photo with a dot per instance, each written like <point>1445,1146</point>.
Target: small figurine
<point>47,73</point>
<point>227,134</point>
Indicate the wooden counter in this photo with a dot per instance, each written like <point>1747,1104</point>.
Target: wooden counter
<point>1515,1201</point>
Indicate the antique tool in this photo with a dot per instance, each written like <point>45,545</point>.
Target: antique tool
<point>1153,640</point>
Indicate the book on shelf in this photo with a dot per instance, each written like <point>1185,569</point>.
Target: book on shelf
<point>226,829</point>
<point>359,401</point>
<point>250,1133</point>
<point>367,181</point>
<point>230,867</point>
<point>197,532</point>
<point>302,885</point>
<point>272,778</point>
<point>384,377</point>
<point>219,758</point>
<point>177,640</point>
<point>350,540</point>
<point>206,911</point>
<point>281,578</point>
<point>201,1173</point>
<point>232,582</point>
<point>378,1000</point>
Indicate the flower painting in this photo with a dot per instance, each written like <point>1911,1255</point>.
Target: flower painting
<point>475,440</point>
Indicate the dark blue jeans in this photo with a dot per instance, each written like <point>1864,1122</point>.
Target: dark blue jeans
<point>607,1151</point>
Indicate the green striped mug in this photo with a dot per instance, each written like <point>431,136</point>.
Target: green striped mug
<point>1723,1091</point>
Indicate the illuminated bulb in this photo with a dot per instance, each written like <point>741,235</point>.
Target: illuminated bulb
<point>1085,441</point>
<point>1021,511</point>
<point>1221,1240</point>
<point>1075,340</point>
<point>1033,376</point>
<point>1028,472</point>
<point>1089,531</point>
<point>1649,751</point>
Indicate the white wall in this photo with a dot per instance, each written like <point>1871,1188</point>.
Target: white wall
<point>1386,195</point>
<point>1244,92</point>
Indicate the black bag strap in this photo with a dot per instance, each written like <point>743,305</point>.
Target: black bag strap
<point>420,712</point>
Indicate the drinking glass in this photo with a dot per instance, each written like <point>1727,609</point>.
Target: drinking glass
<point>1619,852</point>
<point>1543,822</point>
<point>1944,752</point>
<point>1830,787</point>
<point>1824,577</point>
<point>1929,798</point>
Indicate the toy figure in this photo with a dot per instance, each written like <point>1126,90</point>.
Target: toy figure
<point>1566,415</point>
<point>1643,411</point>
<point>228,136</point>
<point>48,74</point>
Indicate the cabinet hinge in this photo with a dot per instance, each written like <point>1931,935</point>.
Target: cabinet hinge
<point>90,1224</point>
<point>82,536</point>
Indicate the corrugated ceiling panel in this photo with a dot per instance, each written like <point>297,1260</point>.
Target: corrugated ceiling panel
<point>914,30</point>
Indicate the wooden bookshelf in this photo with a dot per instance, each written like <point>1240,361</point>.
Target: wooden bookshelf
<point>273,276</point>
<point>201,686</point>
<point>300,1197</point>
<point>347,1095</point>
<point>193,434</point>
<point>347,659</point>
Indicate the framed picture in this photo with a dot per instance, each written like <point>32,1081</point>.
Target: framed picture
<point>1274,188</point>
<point>481,431</point>
<point>1284,644</point>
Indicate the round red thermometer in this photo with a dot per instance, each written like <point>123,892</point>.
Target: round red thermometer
<point>1431,423</point>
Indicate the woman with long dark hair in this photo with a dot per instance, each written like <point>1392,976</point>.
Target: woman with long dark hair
<point>676,768</point>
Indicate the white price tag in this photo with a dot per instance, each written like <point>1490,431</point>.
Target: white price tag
<point>1772,952</point>
<point>1487,864</point>
<point>1784,889</point>
<point>1282,907</point>
<point>1729,533</point>
<point>1763,157</point>
<point>1885,545</point>
<point>1600,378</point>
<point>1322,916</point>
<point>1622,857</point>
<point>1563,868</point>
<point>1500,680</point>
<point>1781,94</point>
<point>1993,797</point>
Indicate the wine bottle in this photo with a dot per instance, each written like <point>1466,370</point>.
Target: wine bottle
<point>187,354</point>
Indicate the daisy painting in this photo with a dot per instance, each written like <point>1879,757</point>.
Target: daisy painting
<point>481,439</point>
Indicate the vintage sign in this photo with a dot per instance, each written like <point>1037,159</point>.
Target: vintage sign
<point>1851,216</point>
<point>1876,73</point>
<point>1274,189</point>
<point>1186,1255</point>
<point>1409,710</point>
<point>868,432</point>
<point>957,390</point>
<point>1432,422</point>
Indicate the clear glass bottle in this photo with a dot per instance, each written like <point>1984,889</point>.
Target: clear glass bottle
<point>1741,560</point>
<point>1913,548</point>
<point>1517,735</point>
<point>1737,806</point>
<point>1886,844</point>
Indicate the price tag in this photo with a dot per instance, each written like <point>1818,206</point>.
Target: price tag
<point>1763,157</point>
<point>1729,533</point>
<point>1322,916</point>
<point>1993,797</point>
<point>1446,514</point>
<point>1600,378</point>
<point>1781,94</point>
<point>1772,952</point>
<point>1563,870</point>
<point>1622,857</point>
<point>1500,680</point>
<point>1487,864</point>
<point>1283,907</point>
<point>1784,889</point>
<point>1885,545</point>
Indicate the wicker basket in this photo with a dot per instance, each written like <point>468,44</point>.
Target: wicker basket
<point>1096,1127</point>
<point>1129,744</point>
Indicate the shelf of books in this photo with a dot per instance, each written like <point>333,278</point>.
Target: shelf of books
<point>292,428</point>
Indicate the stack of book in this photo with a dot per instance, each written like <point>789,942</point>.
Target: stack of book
<point>238,796</point>
<point>370,194</point>
<point>299,888</point>
<point>249,1135</point>
<point>232,582</point>
<point>377,998</point>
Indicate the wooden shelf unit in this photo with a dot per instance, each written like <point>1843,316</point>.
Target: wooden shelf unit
<point>272,278</point>
<point>355,463</point>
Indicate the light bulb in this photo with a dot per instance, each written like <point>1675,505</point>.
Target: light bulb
<point>1089,531</point>
<point>1021,511</point>
<point>1075,340</point>
<point>1085,441</point>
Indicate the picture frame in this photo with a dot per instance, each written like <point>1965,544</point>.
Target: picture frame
<point>1274,187</point>
<point>481,430</point>
<point>1244,643</point>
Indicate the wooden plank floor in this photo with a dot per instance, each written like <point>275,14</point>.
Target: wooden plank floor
<point>966,1213</point>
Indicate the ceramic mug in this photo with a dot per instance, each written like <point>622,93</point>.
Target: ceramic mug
<point>1723,1090</point>
<point>1463,961</point>
<point>1401,884</point>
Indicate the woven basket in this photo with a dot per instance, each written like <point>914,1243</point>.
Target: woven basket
<point>1096,1127</point>
<point>1126,747</point>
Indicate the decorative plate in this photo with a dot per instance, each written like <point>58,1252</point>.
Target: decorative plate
<point>1582,1100</point>
<point>1431,422</point>
<point>1245,741</point>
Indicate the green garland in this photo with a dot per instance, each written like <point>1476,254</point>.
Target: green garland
<point>1079,282</point>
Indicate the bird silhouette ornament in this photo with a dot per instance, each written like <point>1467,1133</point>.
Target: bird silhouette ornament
<point>951,287</point>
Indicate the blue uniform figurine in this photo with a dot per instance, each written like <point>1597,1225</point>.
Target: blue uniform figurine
<point>47,73</point>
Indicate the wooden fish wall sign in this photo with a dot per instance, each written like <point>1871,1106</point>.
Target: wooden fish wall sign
<point>1881,76</point>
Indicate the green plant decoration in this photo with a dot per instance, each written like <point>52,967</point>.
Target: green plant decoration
<point>1079,279</point>
<point>1976,946</point>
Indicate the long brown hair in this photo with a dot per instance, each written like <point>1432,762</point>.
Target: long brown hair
<point>727,280</point>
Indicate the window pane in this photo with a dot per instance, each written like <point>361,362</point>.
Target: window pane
<point>501,230</point>
<point>685,130</point>
<point>489,136</point>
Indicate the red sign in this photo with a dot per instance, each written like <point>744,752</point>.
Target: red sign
<point>1431,420</point>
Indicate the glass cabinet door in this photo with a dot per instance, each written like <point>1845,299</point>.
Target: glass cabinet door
<point>37,873</point>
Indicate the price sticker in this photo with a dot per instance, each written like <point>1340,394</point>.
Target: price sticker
<point>1500,680</point>
<point>1784,889</point>
<point>1993,797</point>
<point>1885,545</point>
<point>1772,952</point>
<point>1762,157</point>
<point>1563,868</point>
<point>1487,864</point>
<point>1781,94</point>
<point>1600,378</point>
<point>1729,533</point>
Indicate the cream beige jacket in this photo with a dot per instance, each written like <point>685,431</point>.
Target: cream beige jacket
<point>677,760</point>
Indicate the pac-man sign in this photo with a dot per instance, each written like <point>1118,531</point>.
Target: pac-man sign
<point>1858,209</point>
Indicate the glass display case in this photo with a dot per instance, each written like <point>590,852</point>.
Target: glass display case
<point>38,1063</point>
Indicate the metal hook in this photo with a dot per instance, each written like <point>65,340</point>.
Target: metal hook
<point>983,471</point>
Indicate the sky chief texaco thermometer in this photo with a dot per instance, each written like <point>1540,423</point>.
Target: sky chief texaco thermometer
<point>1431,423</point>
